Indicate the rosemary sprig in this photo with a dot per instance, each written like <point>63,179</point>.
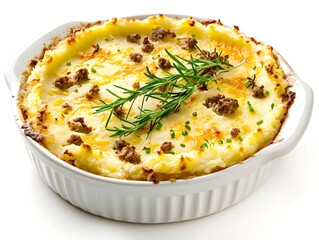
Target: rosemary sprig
<point>180,85</point>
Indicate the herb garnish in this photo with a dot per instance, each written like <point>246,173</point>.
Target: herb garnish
<point>251,109</point>
<point>250,82</point>
<point>180,85</point>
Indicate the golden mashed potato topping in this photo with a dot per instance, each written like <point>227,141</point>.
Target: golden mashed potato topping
<point>154,99</point>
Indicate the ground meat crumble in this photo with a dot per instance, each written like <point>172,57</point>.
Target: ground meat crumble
<point>221,105</point>
<point>78,125</point>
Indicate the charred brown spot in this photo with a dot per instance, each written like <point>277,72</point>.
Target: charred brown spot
<point>94,90</point>
<point>191,23</point>
<point>133,38</point>
<point>255,41</point>
<point>86,146</point>
<point>66,106</point>
<point>208,22</point>
<point>182,163</point>
<point>78,125</point>
<point>42,113</point>
<point>24,113</point>
<point>136,57</point>
<point>164,63</point>
<point>75,139</point>
<point>67,152</point>
<point>166,147</point>
<point>136,85</point>
<point>270,68</point>
<point>33,62</point>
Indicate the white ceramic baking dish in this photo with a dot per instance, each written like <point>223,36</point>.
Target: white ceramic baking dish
<point>145,202</point>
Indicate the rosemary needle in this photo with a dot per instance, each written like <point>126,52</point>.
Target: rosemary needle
<point>190,74</point>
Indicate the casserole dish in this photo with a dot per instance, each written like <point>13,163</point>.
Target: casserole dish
<point>145,202</point>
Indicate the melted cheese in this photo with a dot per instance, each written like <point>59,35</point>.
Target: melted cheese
<point>112,65</point>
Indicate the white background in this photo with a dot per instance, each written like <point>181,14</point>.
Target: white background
<point>286,206</point>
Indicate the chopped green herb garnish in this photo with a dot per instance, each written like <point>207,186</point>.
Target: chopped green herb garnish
<point>251,109</point>
<point>205,144</point>
<point>147,150</point>
<point>156,56</point>
<point>184,133</point>
<point>193,35</point>
<point>272,106</point>
<point>250,82</point>
<point>93,70</point>
<point>182,145</point>
<point>266,93</point>
<point>118,50</point>
<point>68,63</point>
<point>171,152</point>
<point>218,88</point>
<point>259,122</point>
<point>220,142</point>
<point>172,133</point>
<point>159,126</point>
<point>195,114</point>
<point>76,90</point>
<point>187,125</point>
<point>228,140</point>
<point>255,67</point>
<point>240,139</point>
<point>87,64</point>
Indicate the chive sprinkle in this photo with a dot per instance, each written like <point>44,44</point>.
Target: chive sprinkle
<point>272,106</point>
<point>172,133</point>
<point>182,145</point>
<point>240,139</point>
<point>259,122</point>
<point>187,125</point>
<point>93,70</point>
<point>220,142</point>
<point>159,126</point>
<point>147,150</point>
<point>68,63</point>
<point>251,109</point>
<point>266,93</point>
<point>76,90</point>
<point>195,114</point>
<point>156,56</point>
<point>228,140</point>
<point>184,133</point>
<point>218,88</point>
